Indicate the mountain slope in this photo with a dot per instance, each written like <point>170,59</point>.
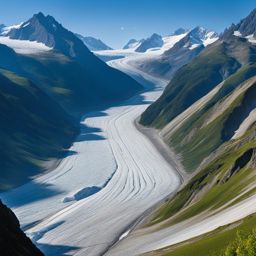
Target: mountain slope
<point>69,72</point>
<point>152,42</point>
<point>244,28</point>
<point>12,240</point>
<point>132,44</point>
<point>228,176</point>
<point>213,134</point>
<point>215,63</point>
<point>93,44</point>
<point>187,45</point>
<point>34,132</point>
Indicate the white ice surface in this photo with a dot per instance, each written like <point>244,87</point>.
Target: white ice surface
<point>24,46</point>
<point>110,145</point>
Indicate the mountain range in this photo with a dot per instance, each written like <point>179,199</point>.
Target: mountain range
<point>60,78</point>
<point>93,44</point>
<point>186,46</point>
<point>49,78</point>
<point>206,115</point>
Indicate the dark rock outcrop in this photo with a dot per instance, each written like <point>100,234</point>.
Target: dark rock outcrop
<point>13,242</point>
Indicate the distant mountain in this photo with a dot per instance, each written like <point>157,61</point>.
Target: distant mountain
<point>1,27</point>
<point>45,93</point>
<point>152,42</point>
<point>13,241</point>
<point>133,44</point>
<point>179,31</point>
<point>207,116</point>
<point>46,30</point>
<point>184,50</point>
<point>246,27</point>
<point>93,44</point>
<point>230,60</point>
<point>68,71</point>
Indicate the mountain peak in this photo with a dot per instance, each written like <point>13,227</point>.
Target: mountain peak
<point>93,44</point>
<point>39,15</point>
<point>153,41</point>
<point>246,27</point>
<point>46,30</point>
<point>179,31</point>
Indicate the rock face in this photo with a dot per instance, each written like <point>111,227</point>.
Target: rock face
<point>154,41</point>
<point>13,242</point>
<point>180,54</point>
<point>179,31</point>
<point>245,27</point>
<point>131,44</point>
<point>93,44</point>
<point>46,30</point>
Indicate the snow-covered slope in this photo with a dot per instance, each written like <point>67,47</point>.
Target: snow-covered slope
<point>163,57</point>
<point>24,46</point>
<point>21,46</point>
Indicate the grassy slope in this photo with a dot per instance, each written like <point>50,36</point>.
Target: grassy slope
<point>211,244</point>
<point>195,141</point>
<point>190,83</point>
<point>223,179</point>
<point>34,129</point>
<point>77,84</point>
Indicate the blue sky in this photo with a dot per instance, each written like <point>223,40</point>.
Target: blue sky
<point>117,21</point>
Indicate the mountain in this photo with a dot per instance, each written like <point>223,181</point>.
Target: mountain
<point>35,131</point>
<point>207,116</point>
<point>1,28</point>
<point>246,27</point>
<point>66,70</point>
<point>133,44</point>
<point>46,93</point>
<point>46,30</point>
<point>93,44</point>
<point>179,31</point>
<point>216,63</point>
<point>187,46</point>
<point>12,240</point>
<point>152,42</point>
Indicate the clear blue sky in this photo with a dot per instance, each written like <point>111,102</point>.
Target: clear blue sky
<point>117,21</point>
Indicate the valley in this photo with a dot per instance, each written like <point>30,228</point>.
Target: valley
<point>149,149</point>
<point>48,207</point>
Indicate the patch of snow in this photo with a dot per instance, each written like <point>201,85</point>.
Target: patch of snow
<point>170,41</point>
<point>210,40</point>
<point>25,25</point>
<point>237,33</point>
<point>193,46</point>
<point>251,39</point>
<point>24,46</point>
<point>7,29</point>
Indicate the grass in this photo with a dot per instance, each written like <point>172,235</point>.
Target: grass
<point>191,82</point>
<point>33,130</point>
<point>205,139</point>
<point>218,185</point>
<point>211,243</point>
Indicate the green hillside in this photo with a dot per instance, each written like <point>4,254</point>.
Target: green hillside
<point>34,129</point>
